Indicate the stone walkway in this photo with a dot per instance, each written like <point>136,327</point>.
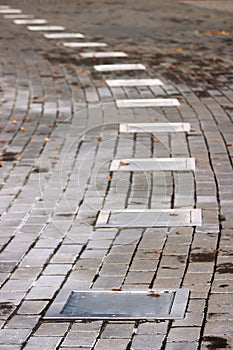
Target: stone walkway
<point>59,134</point>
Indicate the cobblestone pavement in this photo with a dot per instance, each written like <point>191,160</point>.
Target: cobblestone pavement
<point>59,133</point>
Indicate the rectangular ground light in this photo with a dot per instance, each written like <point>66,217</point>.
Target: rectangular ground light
<point>30,21</point>
<point>134,82</point>
<point>153,164</point>
<point>153,102</point>
<point>86,44</point>
<point>45,28</point>
<point>10,10</point>
<point>121,305</point>
<point>18,16</point>
<point>154,127</point>
<point>64,36</point>
<point>103,54</point>
<point>149,218</point>
<point>119,67</point>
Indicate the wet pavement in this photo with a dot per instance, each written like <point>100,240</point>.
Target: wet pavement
<point>60,131</point>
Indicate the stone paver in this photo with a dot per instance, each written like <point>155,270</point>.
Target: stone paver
<point>59,133</point>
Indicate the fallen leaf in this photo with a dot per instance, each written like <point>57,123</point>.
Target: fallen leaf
<point>229,144</point>
<point>154,139</point>
<point>218,250</point>
<point>99,138</point>
<point>116,289</point>
<point>109,177</point>
<point>178,107</point>
<point>171,66</point>
<point>154,294</point>
<point>14,121</point>
<point>173,214</point>
<point>46,139</point>
<point>179,49</point>
<point>22,129</point>
<point>80,71</point>
<point>192,130</point>
<point>214,59</point>
<point>122,163</point>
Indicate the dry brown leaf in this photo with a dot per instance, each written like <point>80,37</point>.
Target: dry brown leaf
<point>154,294</point>
<point>99,138</point>
<point>14,121</point>
<point>21,129</point>
<point>109,177</point>
<point>116,289</point>
<point>229,144</point>
<point>46,139</point>
<point>171,66</point>
<point>215,32</point>
<point>154,139</point>
<point>122,163</point>
<point>218,250</point>
<point>80,71</point>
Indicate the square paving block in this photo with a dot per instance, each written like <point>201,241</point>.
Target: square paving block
<point>154,127</point>
<point>86,44</point>
<point>103,54</point>
<point>149,218</point>
<point>8,10</point>
<point>134,82</point>
<point>116,67</point>
<point>63,36</point>
<point>30,21</point>
<point>119,305</point>
<point>45,28</point>
<point>153,102</point>
<point>18,16</point>
<point>153,164</point>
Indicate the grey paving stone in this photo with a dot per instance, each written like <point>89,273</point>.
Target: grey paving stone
<point>182,346</point>
<point>82,339</point>
<point>32,307</point>
<point>19,321</point>
<point>114,344</point>
<point>14,336</point>
<point>47,343</point>
<point>115,330</point>
<point>218,328</point>
<point>147,342</point>
<point>184,334</point>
